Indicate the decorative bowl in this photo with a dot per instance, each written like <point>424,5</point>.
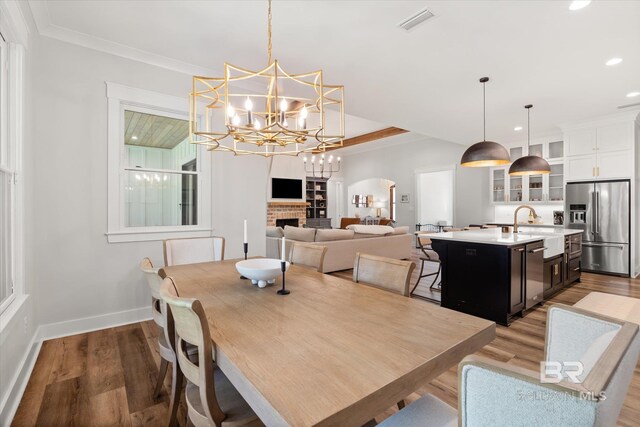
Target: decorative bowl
<point>261,271</point>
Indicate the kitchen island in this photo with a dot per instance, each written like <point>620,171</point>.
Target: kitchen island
<point>498,275</point>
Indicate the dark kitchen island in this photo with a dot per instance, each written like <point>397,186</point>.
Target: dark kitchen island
<point>490,274</point>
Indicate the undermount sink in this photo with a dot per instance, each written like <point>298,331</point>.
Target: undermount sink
<point>553,244</point>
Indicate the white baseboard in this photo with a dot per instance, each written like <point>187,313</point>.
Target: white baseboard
<point>58,330</point>
<point>19,382</point>
<point>93,323</point>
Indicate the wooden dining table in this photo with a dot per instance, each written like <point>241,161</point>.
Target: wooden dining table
<point>332,352</point>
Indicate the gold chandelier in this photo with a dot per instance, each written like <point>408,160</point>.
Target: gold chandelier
<point>293,114</point>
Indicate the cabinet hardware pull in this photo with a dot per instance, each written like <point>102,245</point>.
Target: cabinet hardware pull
<point>533,251</point>
<point>576,269</point>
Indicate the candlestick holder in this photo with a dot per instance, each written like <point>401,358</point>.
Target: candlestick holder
<point>283,291</point>
<point>246,250</point>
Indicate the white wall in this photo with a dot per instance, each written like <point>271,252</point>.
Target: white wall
<point>75,273</point>
<point>376,187</point>
<point>435,194</point>
<point>400,162</point>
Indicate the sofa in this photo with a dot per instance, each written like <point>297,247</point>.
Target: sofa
<point>343,244</point>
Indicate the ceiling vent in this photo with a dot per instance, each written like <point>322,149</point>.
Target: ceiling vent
<point>637,104</point>
<point>416,19</point>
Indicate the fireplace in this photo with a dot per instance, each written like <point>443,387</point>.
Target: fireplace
<point>287,213</point>
<point>293,222</point>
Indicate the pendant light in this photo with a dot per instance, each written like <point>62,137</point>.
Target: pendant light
<point>485,153</point>
<point>529,165</point>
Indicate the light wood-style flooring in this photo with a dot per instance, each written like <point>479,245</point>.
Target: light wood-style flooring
<point>107,377</point>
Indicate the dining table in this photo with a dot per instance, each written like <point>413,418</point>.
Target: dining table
<point>330,353</point>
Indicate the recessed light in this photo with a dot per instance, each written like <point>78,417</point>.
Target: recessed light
<point>517,128</point>
<point>579,4</point>
<point>135,138</point>
<point>632,94</point>
<point>613,61</point>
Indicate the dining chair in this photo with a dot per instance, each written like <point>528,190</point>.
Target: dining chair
<point>194,250</point>
<point>448,229</point>
<point>388,274</point>
<point>592,357</point>
<point>167,354</point>
<point>211,398</point>
<point>308,255</point>
<point>384,273</point>
<point>428,255</point>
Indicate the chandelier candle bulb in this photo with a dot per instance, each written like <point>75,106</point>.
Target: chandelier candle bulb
<point>249,105</point>
<point>283,109</point>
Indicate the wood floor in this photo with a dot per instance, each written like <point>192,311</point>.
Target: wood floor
<point>107,377</point>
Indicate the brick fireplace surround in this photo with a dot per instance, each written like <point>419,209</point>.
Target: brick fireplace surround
<point>285,210</point>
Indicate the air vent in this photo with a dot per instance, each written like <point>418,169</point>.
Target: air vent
<point>416,19</point>
<point>637,104</point>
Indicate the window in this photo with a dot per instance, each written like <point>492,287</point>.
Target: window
<point>8,146</point>
<point>158,181</point>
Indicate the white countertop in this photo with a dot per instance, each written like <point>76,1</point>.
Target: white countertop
<point>491,236</point>
<point>549,230</point>
<point>495,236</point>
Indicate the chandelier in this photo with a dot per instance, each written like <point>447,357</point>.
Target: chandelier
<point>267,112</point>
<point>322,168</point>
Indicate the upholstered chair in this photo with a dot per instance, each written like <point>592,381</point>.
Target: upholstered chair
<point>593,357</point>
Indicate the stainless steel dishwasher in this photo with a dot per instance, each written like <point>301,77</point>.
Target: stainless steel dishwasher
<point>534,274</point>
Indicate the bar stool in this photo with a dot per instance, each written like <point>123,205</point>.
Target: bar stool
<point>430,255</point>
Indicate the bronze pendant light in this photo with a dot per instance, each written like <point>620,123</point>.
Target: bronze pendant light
<point>485,153</point>
<point>529,165</point>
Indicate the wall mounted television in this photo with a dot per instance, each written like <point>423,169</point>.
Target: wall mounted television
<point>283,188</point>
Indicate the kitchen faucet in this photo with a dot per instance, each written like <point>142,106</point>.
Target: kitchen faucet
<point>515,216</point>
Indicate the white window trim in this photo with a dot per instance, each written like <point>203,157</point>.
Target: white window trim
<point>119,97</point>
<point>15,104</point>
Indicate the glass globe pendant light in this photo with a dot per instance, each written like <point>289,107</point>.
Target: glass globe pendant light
<point>485,153</point>
<point>529,165</point>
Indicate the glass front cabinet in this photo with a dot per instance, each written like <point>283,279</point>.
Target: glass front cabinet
<point>506,189</point>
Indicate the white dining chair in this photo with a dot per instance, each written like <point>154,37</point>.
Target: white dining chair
<point>212,401</point>
<point>191,251</point>
<point>598,352</point>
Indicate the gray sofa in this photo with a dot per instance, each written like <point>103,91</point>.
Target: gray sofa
<point>342,244</point>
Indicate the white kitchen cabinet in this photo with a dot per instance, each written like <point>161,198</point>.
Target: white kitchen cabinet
<point>506,189</point>
<point>599,152</point>
<point>615,137</point>
<point>616,164</point>
<point>580,142</point>
<point>499,185</point>
<point>580,167</point>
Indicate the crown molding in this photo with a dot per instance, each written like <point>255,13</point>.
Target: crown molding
<point>13,22</point>
<point>46,28</point>
<point>630,115</point>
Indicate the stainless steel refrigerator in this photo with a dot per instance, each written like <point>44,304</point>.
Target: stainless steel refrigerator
<point>601,209</point>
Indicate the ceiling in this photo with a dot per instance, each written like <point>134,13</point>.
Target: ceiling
<point>148,130</point>
<point>425,80</point>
